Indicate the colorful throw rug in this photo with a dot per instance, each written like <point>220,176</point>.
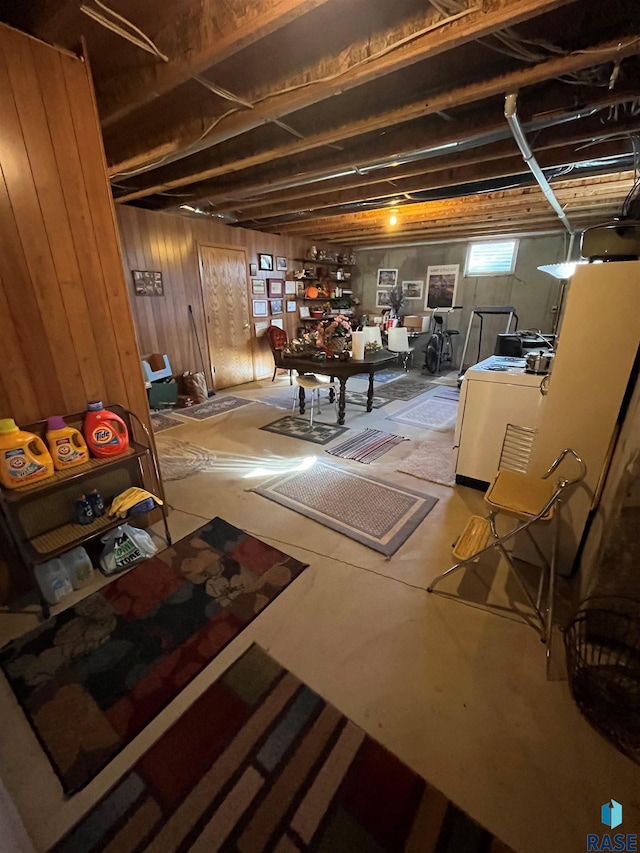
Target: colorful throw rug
<point>161,421</point>
<point>261,762</point>
<point>367,446</point>
<point>380,515</point>
<point>429,412</point>
<point>292,427</point>
<point>359,398</point>
<point>213,407</point>
<point>92,677</point>
<point>406,389</point>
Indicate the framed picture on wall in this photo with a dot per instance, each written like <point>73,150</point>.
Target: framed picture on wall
<point>265,262</point>
<point>260,308</point>
<point>276,306</point>
<point>305,313</point>
<point>387,278</point>
<point>258,287</point>
<point>253,269</point>
<point>147,283</point>
<point>442,284</point>
<point>291,307</point>
<point>278,323</point>
<point>276,286</point>
<point>290,288</point>
<point>382,299</point>
<point>261,327</point>
<point>413,289</point>
<point>281,263</point>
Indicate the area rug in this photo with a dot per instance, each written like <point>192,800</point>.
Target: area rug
<point>432,413</point>
<point>367,446</point>
<point>319,433</point>
<point>261,762</point>
<point>92,677</point>
<point>377,514</point>
<point>383,376</point>
<point>360,399</point>
<point>283,400</point>
<point>432,460</point>
<point>406,389</point>
<point>180,459</point>
<point>213,407</point>
<point>161,421</point>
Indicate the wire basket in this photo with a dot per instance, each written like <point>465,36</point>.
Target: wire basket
<point>603,661</point>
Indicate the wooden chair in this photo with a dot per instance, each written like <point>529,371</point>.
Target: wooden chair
<point>277,339</point>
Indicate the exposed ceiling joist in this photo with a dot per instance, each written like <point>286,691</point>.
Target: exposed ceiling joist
<point>332,76</point>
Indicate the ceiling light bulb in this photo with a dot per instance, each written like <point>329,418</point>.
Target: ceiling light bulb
<point>393,219</point>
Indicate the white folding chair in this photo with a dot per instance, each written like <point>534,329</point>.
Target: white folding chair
<point>398,341</point>
<point>310,382</point>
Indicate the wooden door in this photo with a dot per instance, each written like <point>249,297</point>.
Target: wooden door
<point>223,271</point>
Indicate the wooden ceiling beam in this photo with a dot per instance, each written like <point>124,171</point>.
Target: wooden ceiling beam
<point>495,161</point>
<point>332,76</point>
<point>174,176</point>
<point>195,37</point>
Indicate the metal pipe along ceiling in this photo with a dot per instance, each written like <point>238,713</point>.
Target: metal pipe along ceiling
<point>511,115</point>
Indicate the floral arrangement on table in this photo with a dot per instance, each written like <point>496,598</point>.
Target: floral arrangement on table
<point>372,346</point>
<point>334,333</point>
<point>396,299</point>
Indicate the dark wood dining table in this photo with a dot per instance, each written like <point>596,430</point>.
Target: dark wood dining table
<point>342,370</point>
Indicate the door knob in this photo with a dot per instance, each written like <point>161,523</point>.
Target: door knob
<point>246,326</point>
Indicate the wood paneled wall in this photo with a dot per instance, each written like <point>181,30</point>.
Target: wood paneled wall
<point>66,331</point>
<point>169,244</point>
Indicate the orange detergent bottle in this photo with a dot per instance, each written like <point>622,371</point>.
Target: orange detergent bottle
<point>66,445</point>
<point>105,432</point>
<point>24,458</point>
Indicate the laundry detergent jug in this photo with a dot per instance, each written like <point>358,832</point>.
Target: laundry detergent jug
<point>105,432</point>
<point>24,458</point>
<point>66,445</point>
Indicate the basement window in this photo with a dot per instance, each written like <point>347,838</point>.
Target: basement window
<point>497,258</point>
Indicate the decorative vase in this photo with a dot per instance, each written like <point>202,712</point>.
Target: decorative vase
<point>336,344</point>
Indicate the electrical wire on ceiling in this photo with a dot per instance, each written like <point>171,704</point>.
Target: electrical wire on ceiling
<point>440,5</point>
<point>135,34</point>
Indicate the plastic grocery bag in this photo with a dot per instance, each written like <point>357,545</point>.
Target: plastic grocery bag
<point>124,547</point>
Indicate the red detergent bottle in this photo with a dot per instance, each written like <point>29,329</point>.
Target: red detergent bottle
<point>105,432</point>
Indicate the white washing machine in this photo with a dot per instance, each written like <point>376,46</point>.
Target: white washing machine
<point>494,393</point>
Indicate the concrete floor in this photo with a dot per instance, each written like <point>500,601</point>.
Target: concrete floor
<point>460,695</point>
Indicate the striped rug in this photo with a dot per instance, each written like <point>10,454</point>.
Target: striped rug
<point>261,762</point>
<point>367,446</point>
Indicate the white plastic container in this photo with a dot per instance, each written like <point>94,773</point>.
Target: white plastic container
<point>53,580</point>
<point>79,567</point>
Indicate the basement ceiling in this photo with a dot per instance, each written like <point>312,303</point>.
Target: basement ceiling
<point>319,118</point>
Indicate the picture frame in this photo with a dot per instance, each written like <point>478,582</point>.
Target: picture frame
<point>147,283</point>
<point>258,287</point>
<point>265,262</point>
<point>275,287</point>
<point>442,286</point>
<point>276,306</point>
<point>290,288</point>
<point>387,278</point>
<point>413,289</point>
<point>305,313</point>
<point>279,324</point>
<point>253,269</point>
<point>260,308</point>
<point>281,263</point>
<point>382,299</point>
<point>261,328</point>
<point>291,307</point>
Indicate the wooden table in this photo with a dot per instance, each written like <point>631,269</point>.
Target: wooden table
<point>342,370</point>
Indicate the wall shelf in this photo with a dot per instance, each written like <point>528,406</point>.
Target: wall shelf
<point>323,263</point>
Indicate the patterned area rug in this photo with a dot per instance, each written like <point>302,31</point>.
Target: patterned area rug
<point>319,433</point>
<point>406,389</point>
<point>379,515</point>
<point>180,459</point>
<point>360,399</point>
<point>432,460</point>
<point>91,678</point>
<point>436,413</point>
<point>161,421</point>
<point>383,376</point>
<point>213,407</point>
<point>367,446</point>
<point>261,762</point>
